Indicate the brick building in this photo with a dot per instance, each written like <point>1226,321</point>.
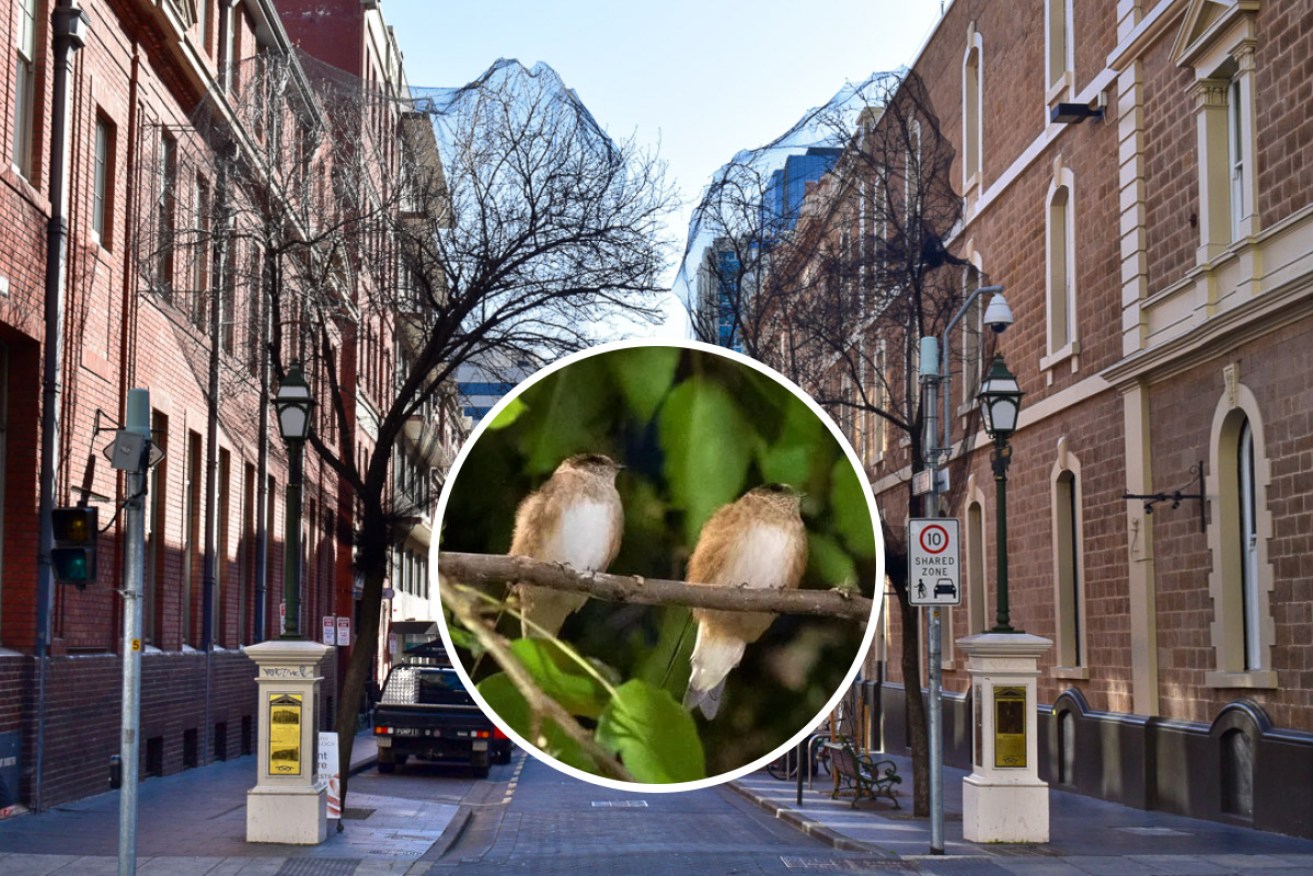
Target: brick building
<point>1156,258</point>
<point>159,293</point>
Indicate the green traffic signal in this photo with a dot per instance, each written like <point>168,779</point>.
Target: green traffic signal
<point>73,558</point>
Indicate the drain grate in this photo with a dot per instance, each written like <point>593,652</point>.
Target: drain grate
<point>849,865</point>
<point>356,813</point>
<point>1154,831</point>
<point>619,804</point>
<point>319,866</point>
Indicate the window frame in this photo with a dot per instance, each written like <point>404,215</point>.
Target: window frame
<point>1069,581</point>
<point>1060,240</point>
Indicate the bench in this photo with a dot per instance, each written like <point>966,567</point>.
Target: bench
<point>861,775</point>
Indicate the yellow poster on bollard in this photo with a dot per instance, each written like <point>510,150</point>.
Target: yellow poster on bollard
<point>285,734</point>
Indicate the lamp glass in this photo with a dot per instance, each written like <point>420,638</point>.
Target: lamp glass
<point>292,421</point>
<point>1000,400</point>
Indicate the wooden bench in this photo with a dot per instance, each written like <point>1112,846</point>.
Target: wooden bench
<point>861,775</point>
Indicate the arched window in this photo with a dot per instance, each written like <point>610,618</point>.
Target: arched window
<point>1239,526</point>
<point>1061,278</point>
<point>1058,47</point>
<point>972,113</point>
<point>1068,566</point>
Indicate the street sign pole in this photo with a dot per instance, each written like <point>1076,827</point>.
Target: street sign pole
<point>138,424</point>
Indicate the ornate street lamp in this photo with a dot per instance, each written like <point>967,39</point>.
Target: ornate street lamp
<point>293,403</point>
<point>1000,405</point>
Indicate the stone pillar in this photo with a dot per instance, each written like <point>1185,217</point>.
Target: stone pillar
<point>1003,800</point>
<point>286,805</point>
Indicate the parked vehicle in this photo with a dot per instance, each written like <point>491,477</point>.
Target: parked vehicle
<point>426,713</point>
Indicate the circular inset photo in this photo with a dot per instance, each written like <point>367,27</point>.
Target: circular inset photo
<point>658,565</point>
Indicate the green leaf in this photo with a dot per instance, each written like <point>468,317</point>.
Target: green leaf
<point>505,699</point>
<point>653,735</point>
<point>568,410</point>
<point>794,454</point>
<point>644,375</point>
<point>852,515</point>
<point>560,677</point>
<point>829,562</point>
<point>708,447</point>
<point>509,414</point>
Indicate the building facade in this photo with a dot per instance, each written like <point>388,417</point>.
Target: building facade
<point>181,117</point>
<point>1128,172</point>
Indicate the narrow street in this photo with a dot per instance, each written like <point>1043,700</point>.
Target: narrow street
<point>547,823</point>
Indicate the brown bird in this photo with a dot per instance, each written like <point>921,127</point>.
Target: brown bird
<point>757,541</point>
<point>576,519</point>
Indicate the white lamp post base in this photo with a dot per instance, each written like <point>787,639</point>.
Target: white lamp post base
<point>286,815</point>
<point>1004,813</point>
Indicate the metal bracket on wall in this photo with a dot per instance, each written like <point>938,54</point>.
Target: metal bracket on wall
<point>1176,497</point>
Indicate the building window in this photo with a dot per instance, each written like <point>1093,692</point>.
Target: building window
<point>1239,526</point>
<point>1058,48</point>
<point>1068,564</point>
<point>1219,42</point>
<point>972,350</point>
<point>25,88</point>
<point>102,204</point>
<point>972,101</point>
<point>166,217</point>
<point>977,608</point>
<point>1061,279</point>
<point>201,252</point>
<point>152,621</point>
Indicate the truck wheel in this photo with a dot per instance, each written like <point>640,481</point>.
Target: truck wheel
<point>479,765</point>
<point>504,756</point>
<point>386,767</point>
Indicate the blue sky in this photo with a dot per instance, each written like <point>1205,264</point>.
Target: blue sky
<point>700,79</point>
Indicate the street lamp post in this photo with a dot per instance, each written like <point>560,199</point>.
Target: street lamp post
<point>287,804</point>
<point>294,404</point>
<point>1000,404</point>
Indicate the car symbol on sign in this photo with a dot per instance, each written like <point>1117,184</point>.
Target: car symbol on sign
<point>945,587</point>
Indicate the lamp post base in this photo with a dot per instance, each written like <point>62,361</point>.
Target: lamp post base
<point>297,816</point>
<point>1010,812</point>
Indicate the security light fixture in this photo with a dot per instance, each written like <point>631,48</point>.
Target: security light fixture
<point>1074,113</point>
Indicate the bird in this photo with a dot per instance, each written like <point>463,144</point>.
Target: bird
<point>576,519</point>
<point>756,541</point>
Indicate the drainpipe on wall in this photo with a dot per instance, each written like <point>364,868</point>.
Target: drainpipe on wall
<point>69,26</point>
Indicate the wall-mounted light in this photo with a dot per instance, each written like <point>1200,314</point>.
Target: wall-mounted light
<point>1074,113</point>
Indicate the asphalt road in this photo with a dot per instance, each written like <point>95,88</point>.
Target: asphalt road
<point>547,823</point>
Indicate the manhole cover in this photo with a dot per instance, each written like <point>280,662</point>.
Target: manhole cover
<point>356,813</point>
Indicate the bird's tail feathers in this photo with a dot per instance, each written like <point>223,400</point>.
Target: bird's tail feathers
<point>714,655</point>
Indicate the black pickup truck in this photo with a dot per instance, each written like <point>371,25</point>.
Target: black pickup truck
<point>426,713</point>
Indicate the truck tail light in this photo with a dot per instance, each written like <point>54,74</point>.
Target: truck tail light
<point>497,734</point>
<point>481,734</point>
<point>382,731</point>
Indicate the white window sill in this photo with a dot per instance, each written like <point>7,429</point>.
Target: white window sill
<point>1071,352</point>
<point>1076,673</point>
<point>1258,679</point>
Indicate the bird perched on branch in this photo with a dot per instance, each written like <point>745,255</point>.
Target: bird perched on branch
<point>758,541</point>
<point>576,519</point>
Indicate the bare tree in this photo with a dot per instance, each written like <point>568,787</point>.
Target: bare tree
<point>382,240</point>
<point>848,295</point>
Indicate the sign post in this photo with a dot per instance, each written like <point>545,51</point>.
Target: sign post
<point>933,580</point>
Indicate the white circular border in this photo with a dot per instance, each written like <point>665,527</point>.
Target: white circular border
<point>871,625</point>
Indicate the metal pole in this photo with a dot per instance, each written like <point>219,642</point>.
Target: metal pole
<point>931,365</point>
<point>68,37</point>
<point>1001,457</point>
<point>292,541</point>
<point>138,420</point>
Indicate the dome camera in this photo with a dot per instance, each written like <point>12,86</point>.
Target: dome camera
<point>998,316</point>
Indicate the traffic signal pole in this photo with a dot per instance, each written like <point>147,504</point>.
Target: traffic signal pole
<point>138,421</point>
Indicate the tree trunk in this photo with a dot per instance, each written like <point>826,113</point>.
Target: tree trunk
<point>372,540</point>
<point>918,737</point>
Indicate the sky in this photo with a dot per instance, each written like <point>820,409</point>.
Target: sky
<point>698,80</point>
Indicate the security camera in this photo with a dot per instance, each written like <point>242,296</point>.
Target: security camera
<point>998,316</point>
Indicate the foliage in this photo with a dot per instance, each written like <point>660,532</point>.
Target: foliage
<point>696,431</point>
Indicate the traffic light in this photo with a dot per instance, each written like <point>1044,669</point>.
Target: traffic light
<point>74,554</point>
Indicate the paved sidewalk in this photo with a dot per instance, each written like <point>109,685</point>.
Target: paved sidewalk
<point>1087,836</point>
<point>194,823</point>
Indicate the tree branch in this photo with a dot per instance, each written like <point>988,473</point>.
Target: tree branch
<point>490,568</point>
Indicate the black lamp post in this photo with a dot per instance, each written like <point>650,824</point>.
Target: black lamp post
<point>294,404</point>
<point>1000,404</point>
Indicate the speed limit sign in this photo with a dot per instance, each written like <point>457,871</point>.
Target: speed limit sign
<point>933,570</point>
